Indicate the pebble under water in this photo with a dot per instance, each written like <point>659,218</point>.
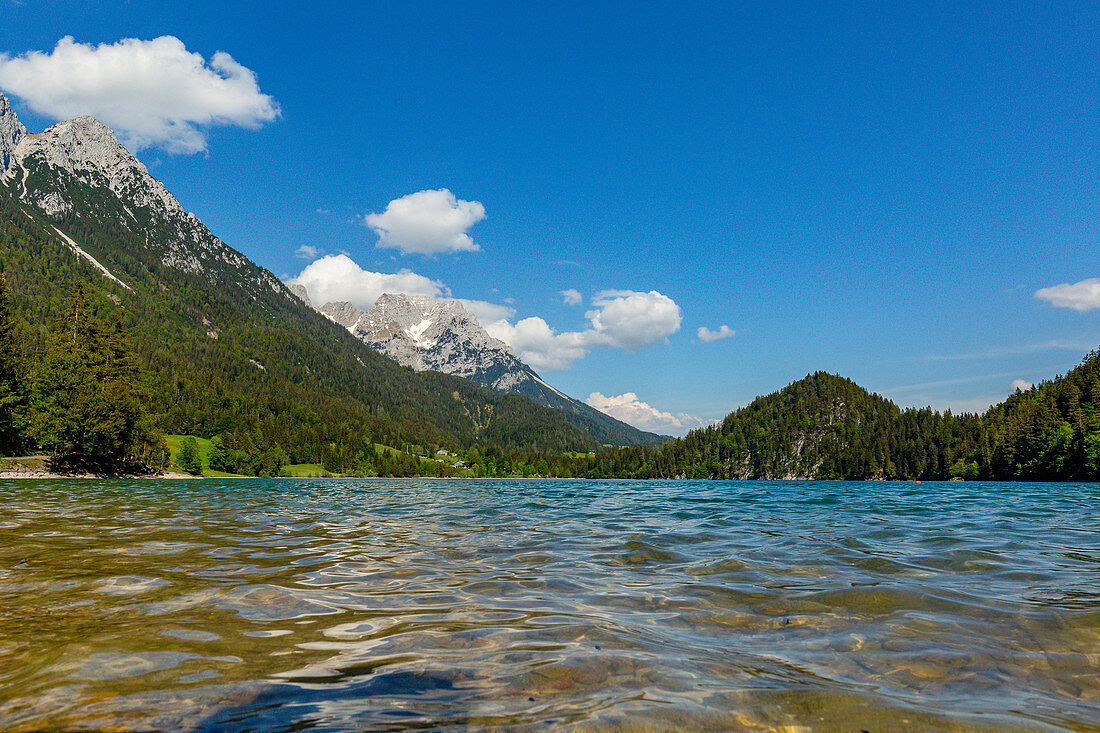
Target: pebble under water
<point>283,604</point>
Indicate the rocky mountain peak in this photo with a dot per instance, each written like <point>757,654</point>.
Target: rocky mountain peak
<point>342,312</point>
<point>88,150</point>
<point>301,293</point>
<point>82,143</point>
<point>67,169</point>
<point>426,334</point>
<point>11,132</point>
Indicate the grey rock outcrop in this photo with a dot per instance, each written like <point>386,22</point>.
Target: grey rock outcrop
<point>11,132</point>
<point>72,165</point>
<point>426,334</point>
<point>342,312</point>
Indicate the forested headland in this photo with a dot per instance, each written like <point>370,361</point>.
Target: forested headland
<point>827,427</point>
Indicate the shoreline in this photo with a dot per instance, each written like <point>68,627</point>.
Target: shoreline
<point>6,474</point>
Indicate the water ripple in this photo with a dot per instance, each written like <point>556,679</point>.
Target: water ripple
<point>239,605</point>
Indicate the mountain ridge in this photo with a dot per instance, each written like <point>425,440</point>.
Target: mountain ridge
<point>430,334</point>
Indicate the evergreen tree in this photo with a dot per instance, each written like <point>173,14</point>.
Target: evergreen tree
<point>89,397</point>
<point>13,397</point>
<point>189,460</point>
<point>218,456</point>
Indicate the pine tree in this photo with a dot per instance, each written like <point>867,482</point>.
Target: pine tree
<point>189,459</point>
<point>90,393</point>
<point>13,396</point>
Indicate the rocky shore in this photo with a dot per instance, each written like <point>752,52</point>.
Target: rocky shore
<point>38,468</point>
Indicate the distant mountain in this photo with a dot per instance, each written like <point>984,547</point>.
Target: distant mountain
<point>236,351</point>
<point>426,334</point>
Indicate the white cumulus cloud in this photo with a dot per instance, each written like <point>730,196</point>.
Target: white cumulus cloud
<point>633,411</point>
<point>707,336</point>
<point>537,344</point>
<point>571,297</point>
<point>339,278</point>
<point>621,319</point>
<point>486,312</point>
<point>152,93</point>
<point>1020,384</point>
<point>307,252</point>
<point>625,319</point>
<point>1081,296</point>
<point>427,222</point>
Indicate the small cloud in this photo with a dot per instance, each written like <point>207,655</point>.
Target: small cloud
<point>324,212</point>
<point>154,94</point>
<point>510,301</point>
<point>707,336</point>
<point>1080,296</point>
<point>571,297</point>
<point>633,411</point>
<point>1020,385</point>
<point>427,222</point>
<point>307,252</point>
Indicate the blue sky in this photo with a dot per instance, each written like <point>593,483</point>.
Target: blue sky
<point>874,191</point>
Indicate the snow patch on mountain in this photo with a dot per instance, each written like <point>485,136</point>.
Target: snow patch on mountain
<point>416,333</point>
<point>426,334</point>
<point>81,253</point>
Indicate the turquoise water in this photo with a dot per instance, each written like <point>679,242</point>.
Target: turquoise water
<point>249,605</point>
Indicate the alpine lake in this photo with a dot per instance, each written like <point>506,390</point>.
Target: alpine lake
<point>382,604</point>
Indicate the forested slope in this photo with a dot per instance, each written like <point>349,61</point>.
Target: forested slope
<point>827,427</point>
<point>235,354</point>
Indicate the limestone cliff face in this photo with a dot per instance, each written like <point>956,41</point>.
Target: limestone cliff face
<point>11,132</point>
<point>79,167</point>
<point>426,334</point>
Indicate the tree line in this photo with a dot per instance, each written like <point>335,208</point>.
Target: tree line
<point>80,391</point>
<point>83,394</point>
<point>827,427</point>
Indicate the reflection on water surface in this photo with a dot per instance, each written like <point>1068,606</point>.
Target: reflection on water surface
<point>387,604</point>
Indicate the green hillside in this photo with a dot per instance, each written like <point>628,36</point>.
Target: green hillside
<point>234,354</point>
<point>827,427</point>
